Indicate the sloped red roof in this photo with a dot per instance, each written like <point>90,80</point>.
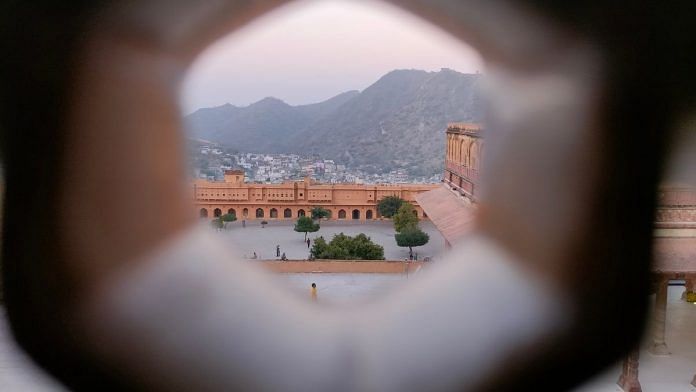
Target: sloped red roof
<point>451,214</point>
<point>454,218</point>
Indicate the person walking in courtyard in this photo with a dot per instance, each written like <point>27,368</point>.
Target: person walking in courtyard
<point>313,292</point>
<point>307,243</point>
<point>277,250</point>
<point>243,222</point>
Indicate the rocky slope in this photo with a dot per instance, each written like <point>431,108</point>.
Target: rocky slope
<point>397,122</point>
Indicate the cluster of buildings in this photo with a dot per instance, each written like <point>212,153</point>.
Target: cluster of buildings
<point>213,162</point>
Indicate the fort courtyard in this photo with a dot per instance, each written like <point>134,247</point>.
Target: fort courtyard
<point>244,241</point>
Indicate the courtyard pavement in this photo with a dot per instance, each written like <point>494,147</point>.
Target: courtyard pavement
<point>253,238</point>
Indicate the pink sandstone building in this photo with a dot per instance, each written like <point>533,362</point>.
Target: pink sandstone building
<point>290,200</point>
<point>452,208</point>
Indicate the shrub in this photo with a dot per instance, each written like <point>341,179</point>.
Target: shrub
<point>228,218</point>
<point>344,247</point>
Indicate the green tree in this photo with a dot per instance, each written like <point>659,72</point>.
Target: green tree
<point>388,206</point>
<point>217,223</point>
<point>405,218</point>
<point>306,225</point>
<point>319,212</point>
<point>227,218</point>
<point>344,247</point>
<point>412,236</point>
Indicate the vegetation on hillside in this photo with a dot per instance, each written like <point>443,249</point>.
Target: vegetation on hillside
<point>396,123</point>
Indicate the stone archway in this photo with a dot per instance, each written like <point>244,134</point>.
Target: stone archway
<point>217,213</point>
<point>300,213</point>
<point>259,213</point>
<point>473,156</point>
<point>356,214</point>
<point>232,211</point>
<point>274,213</point>
<point>203,213</point>
<point>368,214</point>
<point>287,213</point>
<point>245,213</point>
<point>342,214</point>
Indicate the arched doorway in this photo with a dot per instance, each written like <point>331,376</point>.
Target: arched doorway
<point>259,212</point>
<point>342,214</point>
<point>368,214</point>
<point>356,214</point>
<point>203,213</point>
<point>217,213</point>
<point>245,212</point>
<point>300,213</point>
<point>287,213</point>
<point>274,213</point>
<point>232,211</point>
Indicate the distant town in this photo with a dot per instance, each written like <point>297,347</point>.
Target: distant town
<point>209,161</point>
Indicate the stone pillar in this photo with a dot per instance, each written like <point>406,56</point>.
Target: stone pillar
<point>659,346</point>
<point>628,381</point>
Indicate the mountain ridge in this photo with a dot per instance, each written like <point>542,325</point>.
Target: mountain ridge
<point>397,122</point>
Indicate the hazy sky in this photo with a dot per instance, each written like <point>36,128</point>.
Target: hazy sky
<point>312,50</point>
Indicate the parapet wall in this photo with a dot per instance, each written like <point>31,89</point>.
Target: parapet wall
<point>344,266</point>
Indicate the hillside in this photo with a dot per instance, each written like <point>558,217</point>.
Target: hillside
<point>398,121</point>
